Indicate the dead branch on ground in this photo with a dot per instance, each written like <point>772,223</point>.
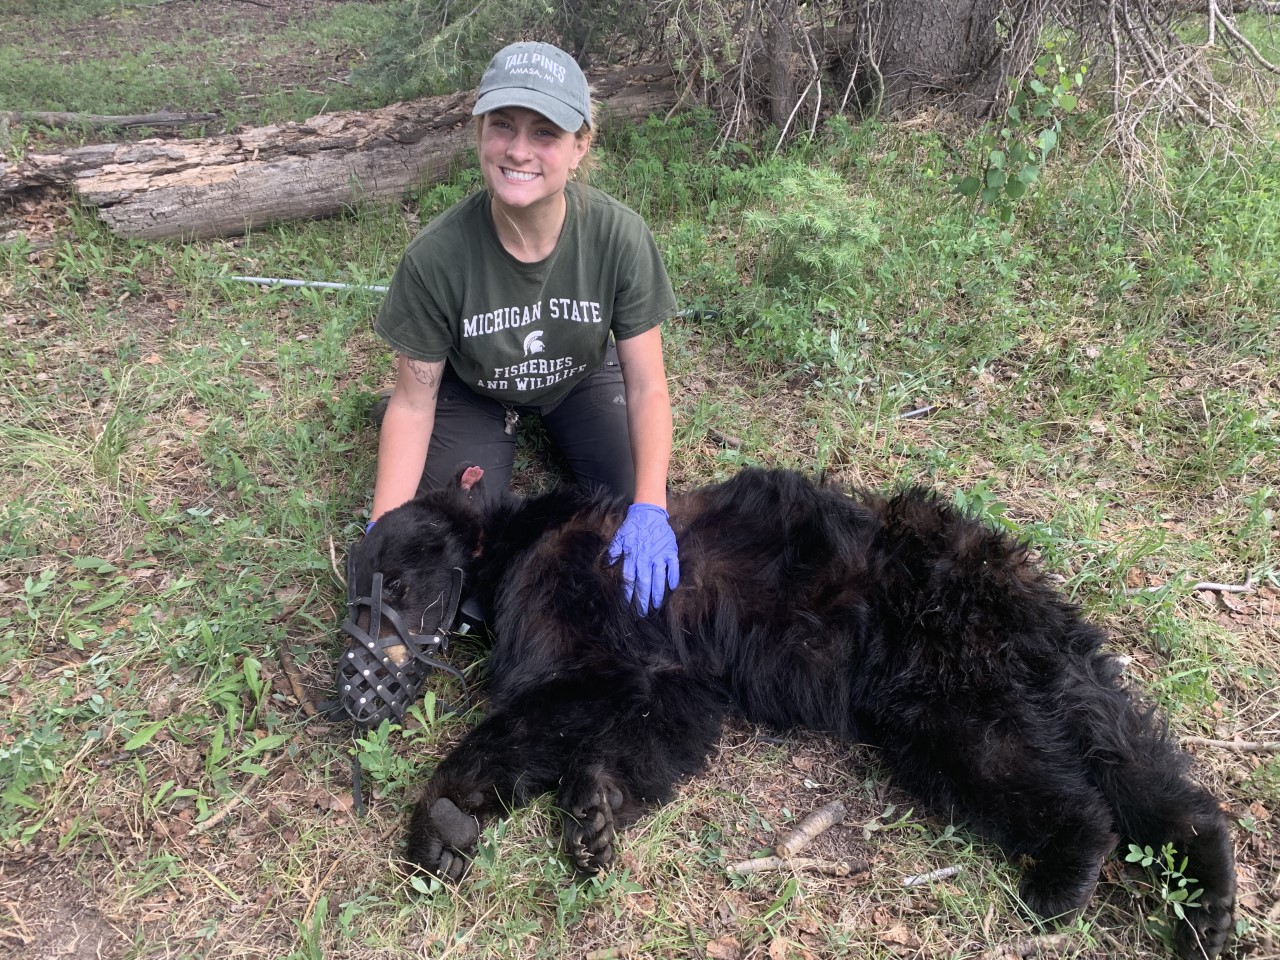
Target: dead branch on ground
<point>1235,746</point>
<point>1046,946</point>
<point>295,682</point>
<point>807,829</point>
<point>1204,585</point>
<point>829,868</point>
<point>942,873</point>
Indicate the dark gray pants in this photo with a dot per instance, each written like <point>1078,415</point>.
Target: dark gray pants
<point>588,426</point>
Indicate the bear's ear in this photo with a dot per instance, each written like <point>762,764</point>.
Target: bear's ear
<point>468,481</point>
<point>469,477</point>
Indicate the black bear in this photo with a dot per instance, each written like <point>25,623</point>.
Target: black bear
<point>899,621</point>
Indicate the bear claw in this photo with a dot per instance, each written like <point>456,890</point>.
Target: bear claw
<point>589,829</point>
<point>442,839</point>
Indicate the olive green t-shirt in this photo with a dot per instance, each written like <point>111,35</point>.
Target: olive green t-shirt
<point>525,333</point>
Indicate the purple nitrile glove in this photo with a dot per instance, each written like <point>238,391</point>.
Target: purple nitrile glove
<point>647,545</point>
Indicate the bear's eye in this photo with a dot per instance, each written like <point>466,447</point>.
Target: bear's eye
<point>393,588</point>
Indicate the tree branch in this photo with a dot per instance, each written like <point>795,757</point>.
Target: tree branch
<point>1235,746</point>
<point>830,868</point>
<point>941,873</point>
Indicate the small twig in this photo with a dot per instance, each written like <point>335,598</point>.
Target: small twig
<point>794,110</point>
<point>311,906</point>
<point>821,819</point>
<point>1230,27</point>
<point>620,952</point>
<point>848,90</point>
<point>1235,746</point>
<point>333,565</point>
<point>217,816</point>
<point>295,682</point>
<point>817,74</point>
<point>222,812</point>
<point>24,935</point>
<point>817,113</point>
<point>464,939</point>
<point>829,868</point>
<point>309,284</point>
<point>918,412</point>
<point>1048,945</point>
<point>1246,587</point>
<point>940,874</point>
<point>724,439</point>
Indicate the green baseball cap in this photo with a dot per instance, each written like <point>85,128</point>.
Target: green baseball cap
<point>539,77</point>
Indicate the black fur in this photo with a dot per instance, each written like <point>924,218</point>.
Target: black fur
<point>899,622</point>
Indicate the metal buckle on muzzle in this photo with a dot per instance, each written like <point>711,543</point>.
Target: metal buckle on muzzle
<point>372,687</point>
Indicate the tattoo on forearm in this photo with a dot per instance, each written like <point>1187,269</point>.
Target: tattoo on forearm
<point>426,374</point>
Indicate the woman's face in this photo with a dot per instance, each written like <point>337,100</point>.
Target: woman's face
<point>525,158</point>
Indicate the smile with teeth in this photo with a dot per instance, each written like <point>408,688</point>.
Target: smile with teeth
<point>518,175</point>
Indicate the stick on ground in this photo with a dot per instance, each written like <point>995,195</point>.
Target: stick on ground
<point>1238,746</point>
<point>220,814</point>
<point>821,819</point>
<point>1047,946</point>
<point>333,564</point>
<point>1205,585</point>
<point>829,868</point>
<point>923,878</point>
<point>620,952</point>
<point>295,682</point>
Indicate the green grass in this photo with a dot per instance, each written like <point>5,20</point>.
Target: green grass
<point>212,58</point>
<point>75,11</point>
<point>187,456</point>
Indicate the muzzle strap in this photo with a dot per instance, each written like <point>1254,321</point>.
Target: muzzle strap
<point>371,685</point>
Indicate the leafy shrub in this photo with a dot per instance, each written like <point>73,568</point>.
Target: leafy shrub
<point>807,254</point>
<point>1016,151</point>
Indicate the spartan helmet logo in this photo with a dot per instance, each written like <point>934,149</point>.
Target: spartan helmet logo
<point>533,343</point>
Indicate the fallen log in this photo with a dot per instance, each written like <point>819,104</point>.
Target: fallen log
<point>226,185</point>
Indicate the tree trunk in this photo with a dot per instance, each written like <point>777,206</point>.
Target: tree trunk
<point>223,186</point>
<point>954,53</point>
<point>785,65</point>
<point>884,56</point>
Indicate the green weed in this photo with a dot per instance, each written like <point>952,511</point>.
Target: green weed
<point>1175,890</point>
<point>1017,149</point>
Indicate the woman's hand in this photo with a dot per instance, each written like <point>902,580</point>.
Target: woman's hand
<point>647,546</point>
